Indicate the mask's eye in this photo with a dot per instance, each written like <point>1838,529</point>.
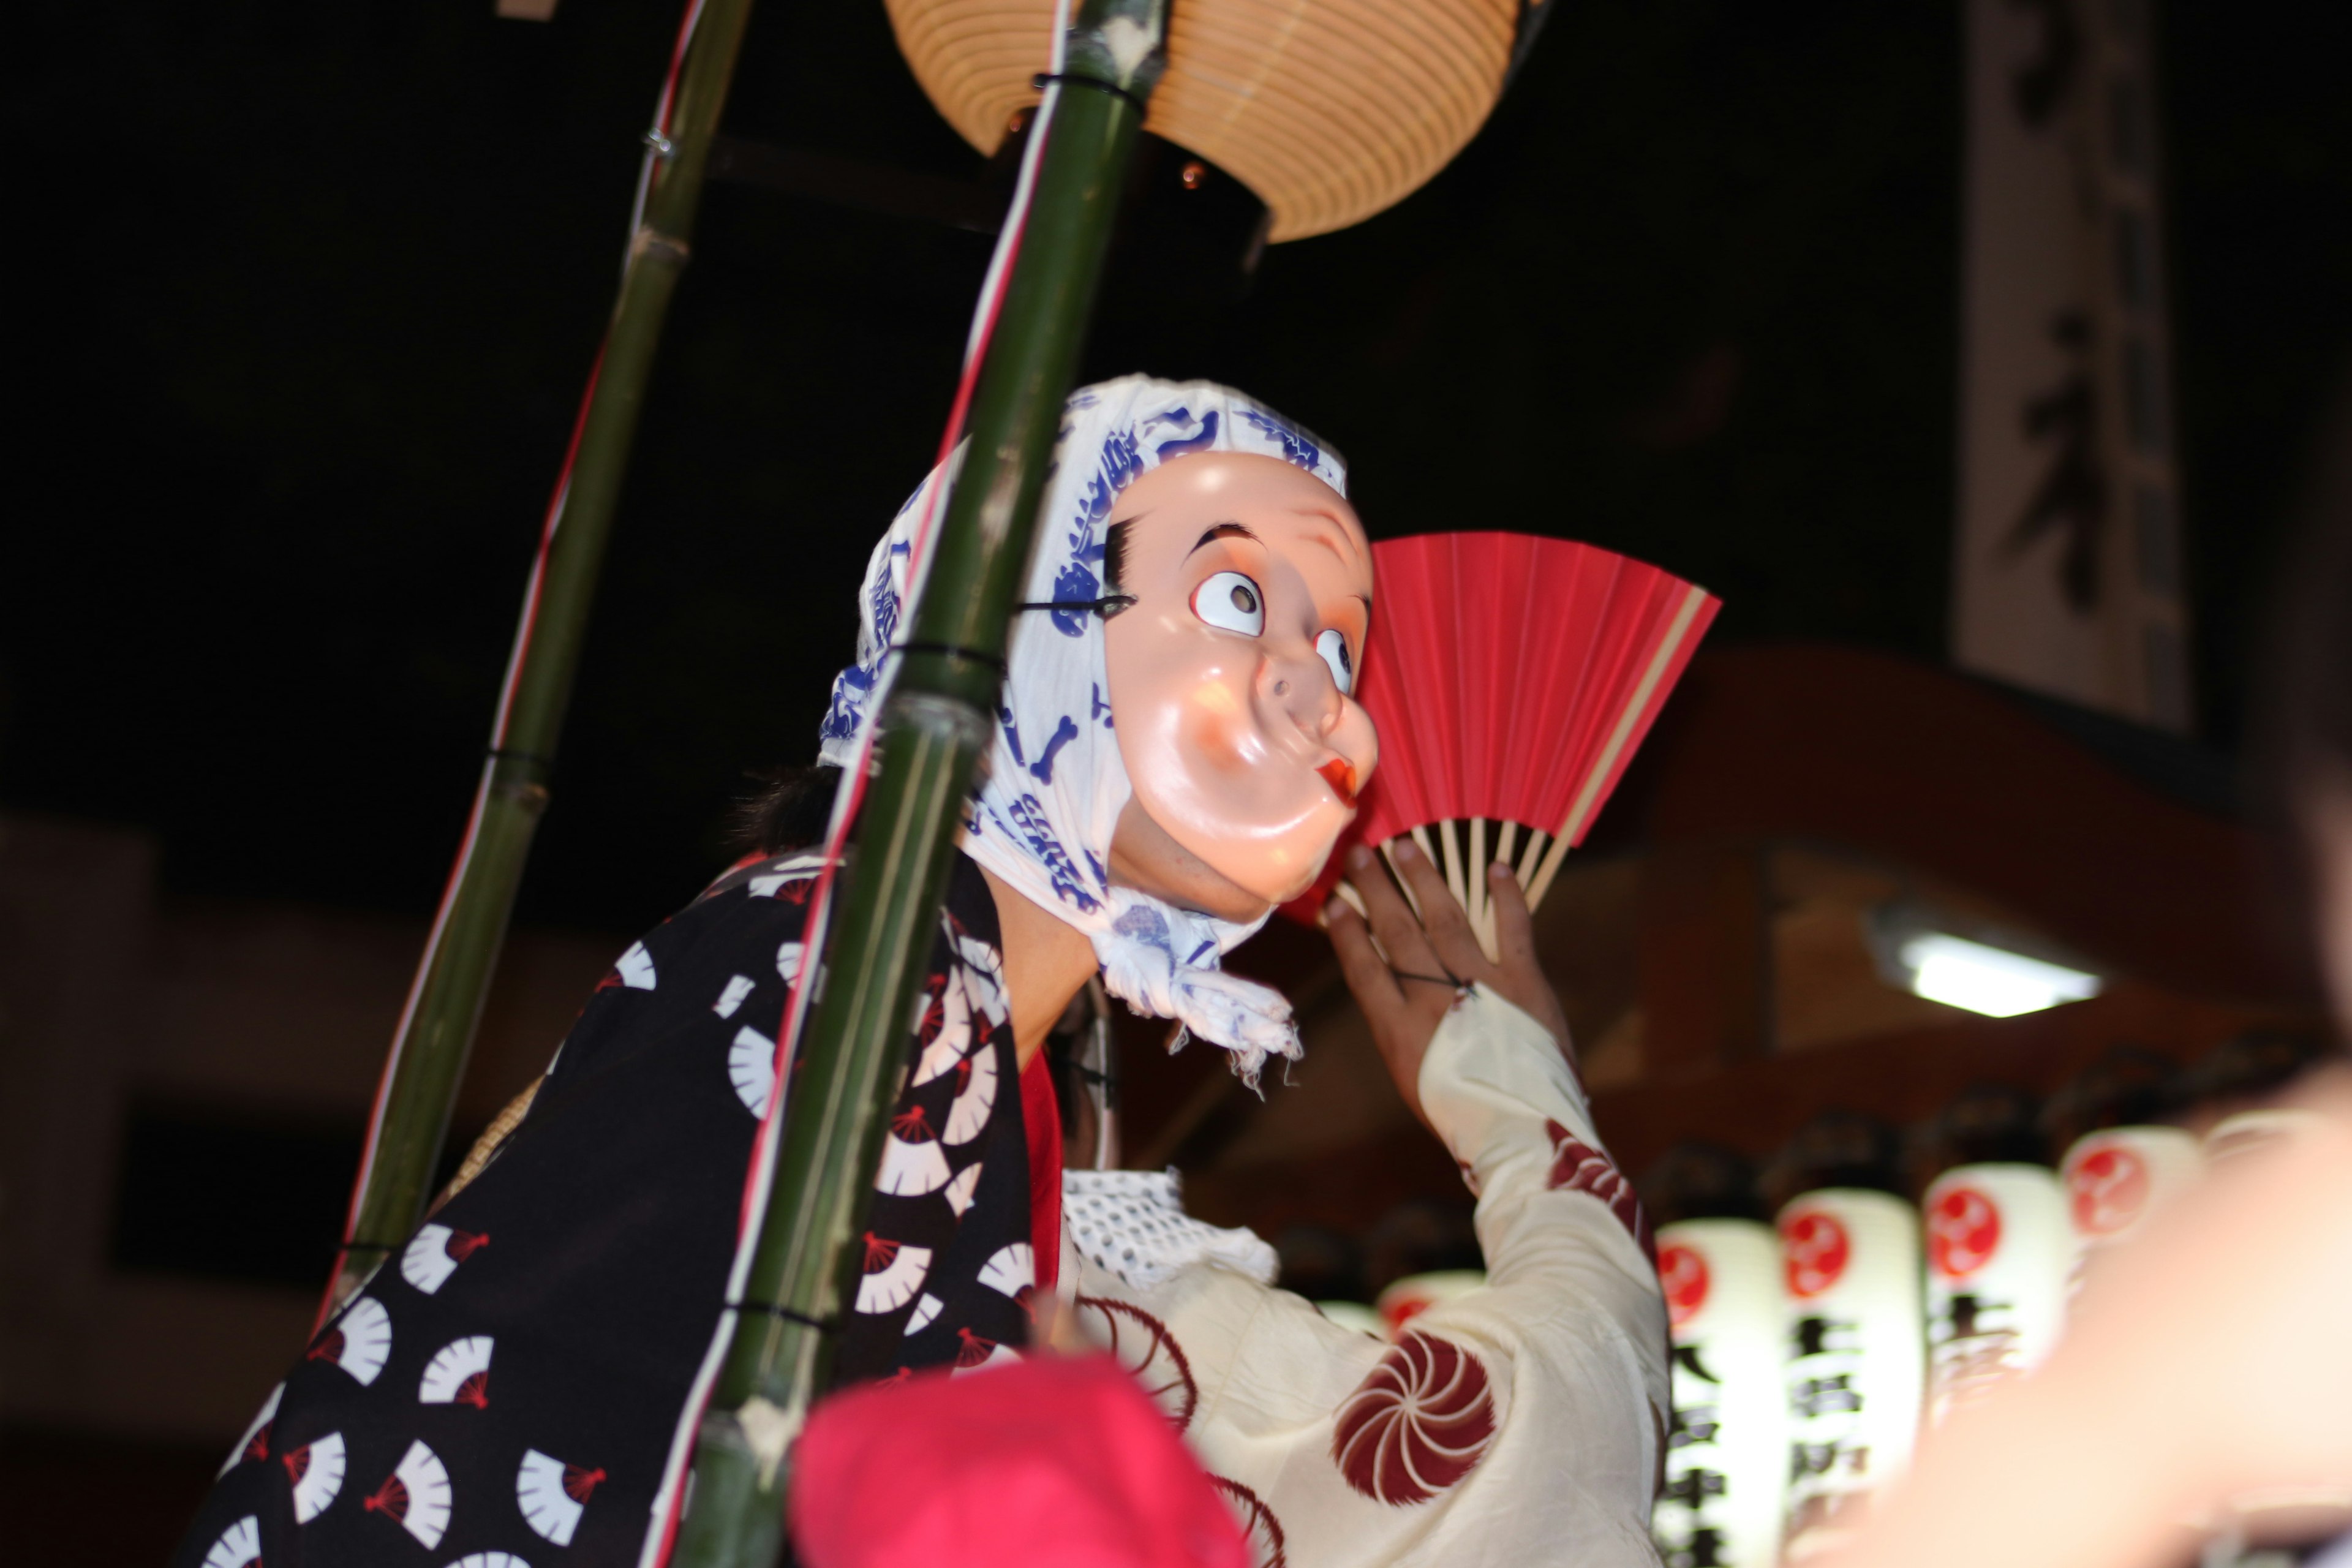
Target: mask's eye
<point>1231,602</point>
<point>1334,649</point>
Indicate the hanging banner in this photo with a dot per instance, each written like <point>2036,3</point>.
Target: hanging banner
<point>2116,1179</point>
<point>1728,1448</point>
<point>1999,1249</point>
<point>1855,1362</point>
<point>2066,572</point>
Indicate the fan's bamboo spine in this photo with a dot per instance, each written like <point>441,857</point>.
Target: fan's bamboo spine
<point>1509,842</point>
<point>1532,856</point>
<point>1428,852</point>
<point>1453,845</point>
<point>1482,907</point>
<point>1388,853</point>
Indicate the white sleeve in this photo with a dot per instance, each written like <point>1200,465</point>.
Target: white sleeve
<point>1518,1423</point>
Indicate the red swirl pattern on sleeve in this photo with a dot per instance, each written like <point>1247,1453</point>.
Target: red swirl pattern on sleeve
<point>1268,1548</point>
<point>1141,1345</point>
<point>1417,1425</point>
<point>1578,1167</point>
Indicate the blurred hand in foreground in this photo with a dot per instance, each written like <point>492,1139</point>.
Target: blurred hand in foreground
<point>1406,969</point>
<point>2204,1378</point>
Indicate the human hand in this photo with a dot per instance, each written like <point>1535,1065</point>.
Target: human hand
<point>1430,956</point>
<point>2223,1327</point>
<point>2202,1382</point>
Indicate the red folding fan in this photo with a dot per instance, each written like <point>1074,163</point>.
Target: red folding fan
<point>1512,678</point>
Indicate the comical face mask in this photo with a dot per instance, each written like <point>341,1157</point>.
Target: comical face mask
<point>1231,671</point>
<point>1168,829</point>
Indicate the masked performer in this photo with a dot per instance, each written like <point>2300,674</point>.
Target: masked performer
<point>524,1378</point>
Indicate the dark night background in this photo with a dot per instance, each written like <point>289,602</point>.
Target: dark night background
<point>305,295</point>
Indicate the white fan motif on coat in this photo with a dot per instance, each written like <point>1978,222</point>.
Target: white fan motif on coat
<point>245,1448</point>
<point>637,967</point>
<point>738,988</point>
<point>799,869</point>
<point>974,1102</point>
<point>948,1048</point>
<point>553,1494</point>
<point>788,962</point>
<point>751,1068</point>
<point>416,1494</point>
<point>434,1253</point>
<point>458,1374</point>
<point>986,977</point>
<point>238,1546</point>
<point>317,1471</point>
<point>360,1340</point>
<point>924,1312</point>
<point>959,1191</point>
<point>913,1163</point>
<point>490,1560</point>
<point>979,1354</point>
<point>1013,1269</point>
<point>894,1272</point>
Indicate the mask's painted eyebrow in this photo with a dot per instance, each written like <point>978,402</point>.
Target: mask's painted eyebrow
<point>1223,530</point>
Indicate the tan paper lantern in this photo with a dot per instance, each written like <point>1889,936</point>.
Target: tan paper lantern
<point>1328,110</point>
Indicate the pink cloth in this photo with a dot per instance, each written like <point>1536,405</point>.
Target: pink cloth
<point>1053,1463</point>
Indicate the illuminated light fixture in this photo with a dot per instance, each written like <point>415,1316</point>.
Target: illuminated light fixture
<point>1989,980</point>
<point>1989,973</point>
<point>1328,110</point>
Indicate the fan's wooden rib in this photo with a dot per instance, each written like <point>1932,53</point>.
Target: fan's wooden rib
<point>1388,853</point>
<point>1512,678</point>
<point>1531,858</point>
<point>1451,842</point>
<point>1628,718</point>
<point>1502,848</point>
<point>1481,906</point>
<point>1420,833</point>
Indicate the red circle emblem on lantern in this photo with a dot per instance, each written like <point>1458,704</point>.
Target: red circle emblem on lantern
<point>1963,1232</point>
<point>1683,1271</point>
<point>2107,1188</point>
<point>1815,1250</point>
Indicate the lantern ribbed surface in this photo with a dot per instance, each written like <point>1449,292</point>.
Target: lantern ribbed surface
<point>1328,110</point>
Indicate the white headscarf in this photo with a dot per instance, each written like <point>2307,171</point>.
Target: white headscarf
<point>1054,785</point>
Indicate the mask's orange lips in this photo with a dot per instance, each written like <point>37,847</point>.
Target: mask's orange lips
<point>1341,777</point>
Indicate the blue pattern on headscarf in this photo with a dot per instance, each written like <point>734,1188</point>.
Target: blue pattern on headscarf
<point>1029,818</point>
<point>850,691</point>
<point>1146,925</point>
<point>1297,446</point>
<point>1044,811</point>
<point>1201,440</point>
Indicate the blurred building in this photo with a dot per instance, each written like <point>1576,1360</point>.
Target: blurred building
<point>187,1087</point>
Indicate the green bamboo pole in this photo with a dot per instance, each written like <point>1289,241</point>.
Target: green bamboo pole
<point>933,730</point>
<point>444,1005</point>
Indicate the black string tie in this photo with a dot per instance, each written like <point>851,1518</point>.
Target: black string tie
<point>1106,606</point>
<point>775,1309</point>
<point>1073,79</point>
<point>953,651</point>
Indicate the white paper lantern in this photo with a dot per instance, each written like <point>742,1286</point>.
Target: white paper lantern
<point>2117,1178</point>
<point>1855,1355</point>
<point>1727,1453</point>
<point>1999,1249</point>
